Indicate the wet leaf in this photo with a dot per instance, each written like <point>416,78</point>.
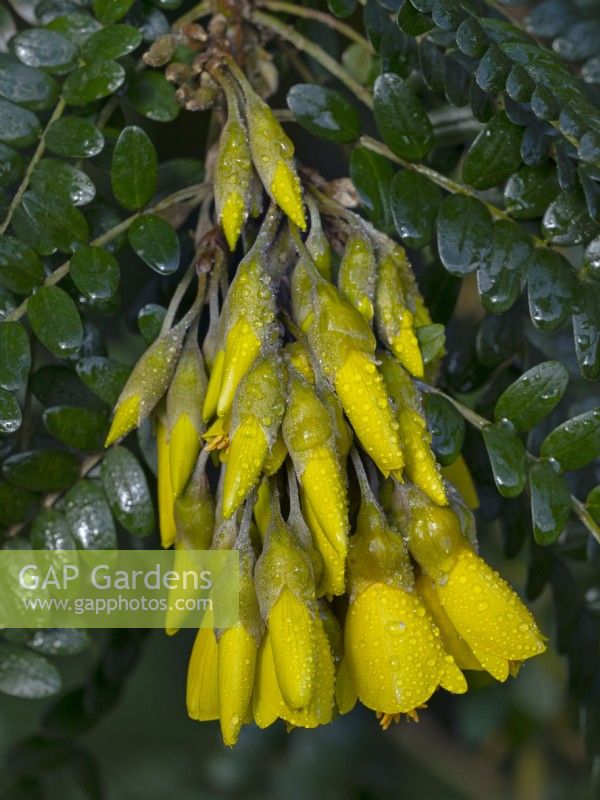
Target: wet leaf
<point>89,517</point>
<point>155,242</point>
<point>95,272</point>
<point>576,442</point>
<point>127,491</point>
<point>80,428</point>
<point>15,355</point>
<point>55,321</point>
<point>464,233</point>
<point>508,459</point>
<point>401,118</point>
<point>550,502</point>
<point>134,168</point>
<point>533,396</point>
<point>324,112</point>
<point>42,470</point>
<point>27,674</point>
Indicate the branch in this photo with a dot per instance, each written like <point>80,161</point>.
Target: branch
<point>300,42</point>
<point>191,192</point>
<point>479,422</point>
<point>39,152</point>
<point>318,16</point>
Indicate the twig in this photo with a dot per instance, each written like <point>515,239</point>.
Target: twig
<point>196,191</point>
<point>39,152</point>
<point>319,16</point>
<point>199,10</point>
<point>300,42</point>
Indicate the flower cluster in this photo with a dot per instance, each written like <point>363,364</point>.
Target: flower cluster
<point>296,436</point>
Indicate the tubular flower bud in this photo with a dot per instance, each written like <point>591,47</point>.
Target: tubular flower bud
<point>262,507</point>
<point>149,380</point>
<point>256,416</point>
<point>344,346</point>
<point>357,275</point>
<point>166,518</point>
<point>233,171</point>
<point>286,595</point>
<point>395,320</point>
<point>316,242</point>
<point>236,657</point>
<point>332,579</point>
<point>308,434</point>
<point>421,466</point>
<point>393,652</point>
<point>299,357</point>
<point>247,325</point>
<point>184,398</point>
<point>272,153</point>
<point>201,695</point>
<point>481,606</point>
<point>459,476</point>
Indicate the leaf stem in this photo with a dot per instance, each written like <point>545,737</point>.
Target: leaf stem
<point>319,16</point>
<point>199,10</point>
<point>39,152</point>
<point>195,192</point>
<point>479,422</point>
<point>300,42</point>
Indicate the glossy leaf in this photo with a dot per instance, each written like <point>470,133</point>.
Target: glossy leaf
<point>16,504</point>
<point>109,11</point>
<point>550,502</point>
<point>20,267</point>
<point>11,165</point>
<point>106,378</point>
<point>80,428</point>
<point>155,242</point>
<point>59,641</point>
<point>42,470</point>
<point>127,491</point>
<point>89,517</point>
<point>153,96</point>
<point>530,190</point>
<point>324,112</point>
<point>55,321</point>
<point>550,283</point>
<point>503,267</point>
<point>533,396</point>
<point>27,86</point>
<point>49,50</point>
<point>74,137</point>
<point>49,222</point>
<point>372,176</point>
<point>15,355</point>
<point>576,442</point>
<point>95,272</point>
<point>414,203</point>
<point>508,459</point>
<point>567,221</point>
<point>10,412</point>
<point>26,674</point>
<point>586,329</point>
<point>464,233</point>
<point>150,320</point>
<point>50,531</point>
<point>134,168</point>
<point>447,428</point>
<point>57,384</point>
<point>53,176</point>
<point>111,43</point>
<point>93,82</point>
<point>494,155</point>
<point>401,118</point>
<point>19,127</point>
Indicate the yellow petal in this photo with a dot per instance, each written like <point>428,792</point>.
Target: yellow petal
<point>213,390</point>
<point>453,642</point>
<point>488,614</point>
<point>345,693</point>
<point>166,517</point>
<point>291,627</point>
<point>267,702</point>
<point>241,350</point>
<point>325,490</point>
<point>184,446</point>
<point>201,696</point>
<point>332,580</point>
<point>459,475</point>
<point>262,507</point>
<point>276,457</point>
<point>125,419</point>
<point>233,215</point>
<point>245,460</point>
<point>405,345</point>
<point>394,653</point>
<point>360,388</point>
<point>421,466</point>
<point>287,193</point>
<point>235,669</point>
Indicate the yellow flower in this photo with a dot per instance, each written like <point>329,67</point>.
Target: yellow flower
<point>459,476</point>
<point>395,321</point>
<point>394,655</point>
<point>125,419</point>
<point>166,518</point>
<point>236,661</point>
<point>201,695</point>
<point>308,434</point>
<point>332,579</point>
<point>268,702</point>
<point>421,465</point>
<point>285,189</point>
<point>233,171</point>
<point>357,274</point>
<point>488,615</point>
<point>256,417</point>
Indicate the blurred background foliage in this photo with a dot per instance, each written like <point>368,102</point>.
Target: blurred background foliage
<point>115,725</point>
